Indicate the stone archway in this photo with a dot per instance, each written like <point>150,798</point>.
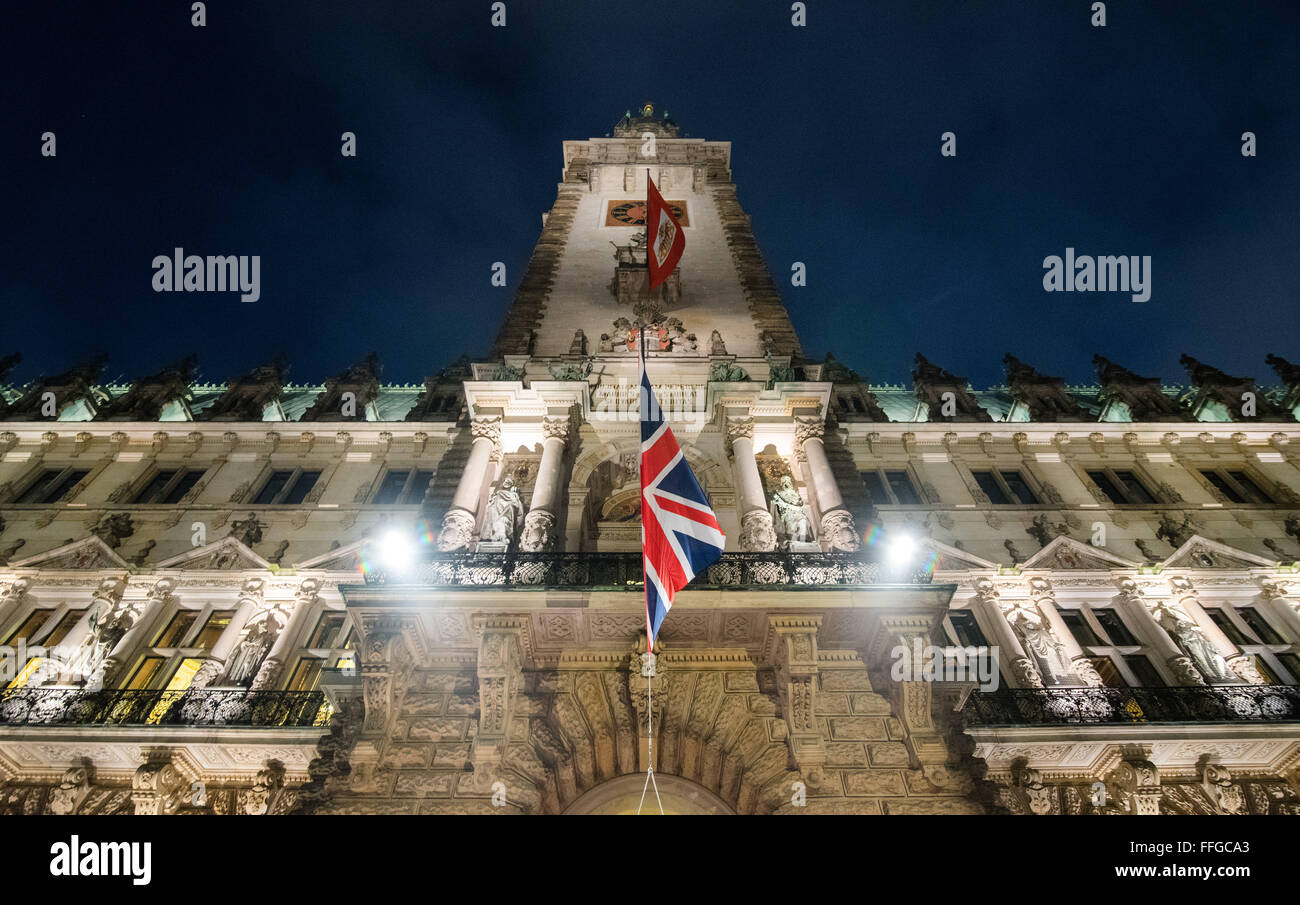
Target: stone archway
<point>622,794</point>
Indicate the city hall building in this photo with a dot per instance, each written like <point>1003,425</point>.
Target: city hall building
<point>260,597</point>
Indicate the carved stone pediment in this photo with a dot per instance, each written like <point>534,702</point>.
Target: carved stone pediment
<point>89,554</point>
<point>227,554</point>
<point>341,559</point>
<point>1202,553</point>
<point>1066,553</point>
<point>951,559</point>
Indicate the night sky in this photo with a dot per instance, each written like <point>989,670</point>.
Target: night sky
<point>225,140</point>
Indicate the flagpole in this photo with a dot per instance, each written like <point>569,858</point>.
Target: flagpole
<point>648,667</point>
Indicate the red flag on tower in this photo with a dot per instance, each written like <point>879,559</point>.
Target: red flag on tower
<point>664,237</point>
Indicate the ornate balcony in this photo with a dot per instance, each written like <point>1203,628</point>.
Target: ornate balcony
<point>199,707</point>
<point>622,572</point>
<point>1128,706</point>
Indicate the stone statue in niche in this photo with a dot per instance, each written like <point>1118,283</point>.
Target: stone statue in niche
<point>1191,640</point>
<point>1035,633</point>
<point>505,514</point>
<point>250,651</point>
<point>790,514</point>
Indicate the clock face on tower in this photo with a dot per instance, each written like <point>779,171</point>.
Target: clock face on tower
<point>632,213</point>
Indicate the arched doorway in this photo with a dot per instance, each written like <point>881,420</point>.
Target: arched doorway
<point>621,795</point>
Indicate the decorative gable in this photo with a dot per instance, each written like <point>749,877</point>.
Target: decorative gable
<point>88,554</point>
<point>1071,555</point>
<point>227,554</point>
<point>1203,553</point>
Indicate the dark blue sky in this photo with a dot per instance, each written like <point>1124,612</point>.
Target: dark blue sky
<point>225,140</point>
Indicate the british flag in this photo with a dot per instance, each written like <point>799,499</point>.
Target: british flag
<point>680,535</point>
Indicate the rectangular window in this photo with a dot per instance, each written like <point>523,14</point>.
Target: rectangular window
<point>1108,487</point>
<point>144,673</point>
<point>288,487</point>
<point>1114,627</point>
<point>306,674</point>
<point>213,628</point>
<point>66,624</point>
<point>875,485</point>
<point>1136,490</point>
<point>992,488</point>
<point>302,486</point>
<point>1079,627</point>
<point>1111,677</point>
<point>403,486</point>
<point>31,625</point>
<point>966,629</point>
<point>169,486</point>
<point>25,674</point>
<point>1236,486</point>
<point>153,491</point>
<point>1124,488</point>
<point>1292,664</point>
<point>1256,622</point>
<point>1229,628</point>
<point>273,486</point>
<point>52,486</point>
<point>1249,489</point>
<point>1141,667</point>
<point>1269,677</point>
<point>327,631</point>
<point>183,485</point>
<point>900,482</point>
<point>1019,487</point>
<point>177,628</point>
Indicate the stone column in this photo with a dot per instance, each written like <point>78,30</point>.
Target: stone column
<point>140,616</point>
<point>269,672</point>
<point>1133,601</point>
<point>1021,668</point>
<point>543,511</point>
<point>459,522</point>
<point>1282,599</point>
<point>1083,667</point>
<point>837,529</point>
<point>756,532</point>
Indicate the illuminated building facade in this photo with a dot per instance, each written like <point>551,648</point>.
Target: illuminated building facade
<point>355,597</point>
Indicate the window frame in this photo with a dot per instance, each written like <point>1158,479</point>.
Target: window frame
<point>1027,476</point>
<point>882,472</point>
<point>402,495</point>
<point>1111,471</point>
<point>143,482</point>
<point>295,474</point>
<point>1266,486</point>
<point>33,478</point>
<point>1117,654</point>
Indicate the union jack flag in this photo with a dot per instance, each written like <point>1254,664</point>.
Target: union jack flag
<point>680,535</point>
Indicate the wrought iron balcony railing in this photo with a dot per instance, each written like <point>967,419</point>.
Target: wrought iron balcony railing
<point>1113,706</point>
<point>622,571</point>
<point>198,707</point>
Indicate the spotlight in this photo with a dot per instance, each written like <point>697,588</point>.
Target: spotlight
<point>901,551</point>
<point>396,551</point>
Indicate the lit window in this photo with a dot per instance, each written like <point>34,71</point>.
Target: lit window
<point>65,625</point>
<point>176,629</point>
<point>328,630</point>
<point>30,626</point>
<point>212,629</point>
<point>306,674</point>
<point>1114,627</point>
<point>144,673</point>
